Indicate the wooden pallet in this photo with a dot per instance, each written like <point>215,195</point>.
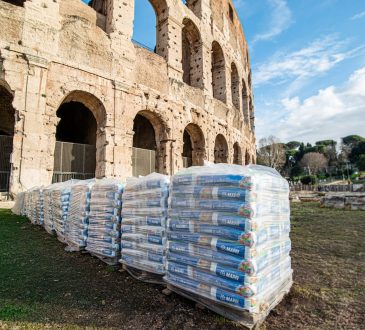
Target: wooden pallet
<point>107,260</point>
<point>143,275</point>
<point>248,320</point>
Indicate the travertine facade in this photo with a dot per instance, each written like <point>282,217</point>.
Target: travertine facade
<point>196,84</point>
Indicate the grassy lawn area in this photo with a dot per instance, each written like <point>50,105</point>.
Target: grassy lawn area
<point>44,287</point>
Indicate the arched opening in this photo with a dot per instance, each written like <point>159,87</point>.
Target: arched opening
<point>19,3</point>
<point>237,154</point>
<point>192,55</point>
<point>251,114</point>
<point>150,29</point>
<point>235,86</point>
<point>247,158</point>
<point>79,148</point>
<point>148,154</point>
<point>187,150</point>
<point>194,146</point>
<point>218,73</point>
<point>220,149</point>
<point>245,103</point>
<point>7,124</point>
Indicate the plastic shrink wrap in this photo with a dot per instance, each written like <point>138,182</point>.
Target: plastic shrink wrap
<point>78,215</point>
<point>47,206</point>
<point>60,198</point>
<point>228,237</point>
<point>103,238</point>
<point>144,215</point>
<point>34,210</point>
<point>19,204</point>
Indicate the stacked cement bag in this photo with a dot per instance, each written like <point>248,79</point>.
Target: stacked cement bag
<point>60,199</point>
<point>48,213</point>
<point>35,211</point>
<point>144,215</point>
<point>228,237</point>
<point>103,238</point>
<point>78,215</point>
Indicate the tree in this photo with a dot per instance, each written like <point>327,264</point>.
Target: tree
<point>352,140</point>
<point>293,145</point>
<point>271,152</point>
<point>314,162</point>
<point>361,163</point>
<point>357,151</point>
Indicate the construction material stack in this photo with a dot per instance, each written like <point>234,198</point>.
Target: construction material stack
<point>78,215</point>
<point>144,216</point>
<point>60,203</point>
<point>103,239</point>
<point>228,239</point>
<point>36,214</point>
<point>48,212</point>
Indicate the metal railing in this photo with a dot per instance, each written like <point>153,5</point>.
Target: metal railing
<point>322,188</point>
<point>4,181</point>
<point>66,176</point>
<point>6,148</point>
<point>73,161</point>
<point>143,161</point>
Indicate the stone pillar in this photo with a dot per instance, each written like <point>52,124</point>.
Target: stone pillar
<point>31,143</point>
<point>168,45</point>
<point>207,68</point>
<point>123,132</point>
<point>168,158</point>
<point>119,18</point>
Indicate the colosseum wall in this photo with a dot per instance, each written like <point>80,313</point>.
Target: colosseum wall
<point>78,95</point>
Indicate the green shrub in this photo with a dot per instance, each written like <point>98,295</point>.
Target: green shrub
<point>309,179</point>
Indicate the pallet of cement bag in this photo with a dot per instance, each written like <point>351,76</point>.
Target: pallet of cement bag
<point>244,318</point>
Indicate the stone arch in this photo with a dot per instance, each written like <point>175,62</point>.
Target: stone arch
<point>7,130</point>
<point>220,149</point>
<point>218,72</point>
<point>193,146</point>
<point>237,154</point>
<point>192,57</point>
<point>245,102</point>
<point>149,149</point>
<point>156,19</point>
<point>80,137</point>
<point>247,158</point>
<point>235,86</point>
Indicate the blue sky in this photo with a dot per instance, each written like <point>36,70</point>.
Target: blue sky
<point>308,63</point>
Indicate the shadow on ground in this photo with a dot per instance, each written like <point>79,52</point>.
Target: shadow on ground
<point>42,286</point>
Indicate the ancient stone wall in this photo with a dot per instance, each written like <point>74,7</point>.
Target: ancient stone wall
<point>198,81</point>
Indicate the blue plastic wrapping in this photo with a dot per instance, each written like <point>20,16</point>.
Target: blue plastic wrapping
<point>228,234</point>
<point>78,215</point>
<point>143,229</point>
<point>103,234</point>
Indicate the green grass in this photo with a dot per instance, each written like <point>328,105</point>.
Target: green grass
<point>44,287</point>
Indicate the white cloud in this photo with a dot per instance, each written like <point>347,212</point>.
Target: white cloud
<point>358,16</point>
<point>280,20</point>
<point>330,114</point>
<point>318,57</point>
